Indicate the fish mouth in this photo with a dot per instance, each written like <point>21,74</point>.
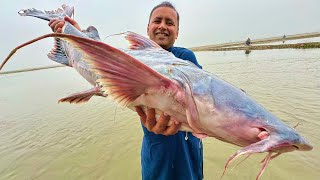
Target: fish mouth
<point>288,147</point>
<point>283,148</point>
<point>305,147</point>
<point>302,147</point>
<point>284,145</point>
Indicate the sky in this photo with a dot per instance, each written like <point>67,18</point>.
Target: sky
<point>202,22</point>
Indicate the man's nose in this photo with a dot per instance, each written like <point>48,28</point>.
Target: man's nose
<point>162,25</point>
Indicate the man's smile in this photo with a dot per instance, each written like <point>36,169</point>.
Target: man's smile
<point>161,34</point>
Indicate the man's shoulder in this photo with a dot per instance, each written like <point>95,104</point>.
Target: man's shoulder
<point>182,50</point>
<point>183,53</point>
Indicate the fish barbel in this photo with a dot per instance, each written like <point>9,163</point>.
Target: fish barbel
<point>146,75</point>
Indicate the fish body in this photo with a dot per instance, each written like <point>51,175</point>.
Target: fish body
<point>146,75</point>
<point>224,111</point>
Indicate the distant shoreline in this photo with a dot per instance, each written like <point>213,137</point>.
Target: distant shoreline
<point>261,44</point>
<point>264,47</point>
<point>31,69</point>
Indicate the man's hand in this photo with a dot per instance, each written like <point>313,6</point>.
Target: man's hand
<point>158,127</point>
<point>57,24</point>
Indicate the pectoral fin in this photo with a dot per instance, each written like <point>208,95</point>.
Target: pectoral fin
<point>122,77</point>
<point>82,97</point>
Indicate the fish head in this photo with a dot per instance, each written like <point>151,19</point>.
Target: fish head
<point>287,140</point>
<point>240,120</point>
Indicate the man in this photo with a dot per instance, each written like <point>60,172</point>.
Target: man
<point>248,42</point>
<point>165,153</point>
<point>173,155</point>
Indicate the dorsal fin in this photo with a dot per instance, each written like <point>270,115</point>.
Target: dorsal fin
<point>121,76</point>
<point>139,42</point>
<point>92,33</point>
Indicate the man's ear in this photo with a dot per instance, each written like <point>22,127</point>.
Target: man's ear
<point>148,30</point>
<point>177,33</point>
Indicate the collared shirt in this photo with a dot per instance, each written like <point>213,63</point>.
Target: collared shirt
<point>175,157</point>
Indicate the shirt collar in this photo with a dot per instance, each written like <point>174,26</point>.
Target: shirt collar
<point>170,49</point>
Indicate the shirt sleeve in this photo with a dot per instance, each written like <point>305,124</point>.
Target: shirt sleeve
<point>189,55</point>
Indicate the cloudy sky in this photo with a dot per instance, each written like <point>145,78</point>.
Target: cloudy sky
<point>202,22</point>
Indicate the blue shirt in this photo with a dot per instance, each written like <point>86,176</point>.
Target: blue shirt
<point>172,157</point>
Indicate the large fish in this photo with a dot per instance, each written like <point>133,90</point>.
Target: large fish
<point>146,75</point>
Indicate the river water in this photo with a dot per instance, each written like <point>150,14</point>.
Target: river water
<point>41,139</point>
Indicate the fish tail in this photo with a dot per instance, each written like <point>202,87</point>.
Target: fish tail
<point>48,15</point>
<point>58,53</point>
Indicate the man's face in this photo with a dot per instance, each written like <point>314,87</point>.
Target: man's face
<point>163,27</point>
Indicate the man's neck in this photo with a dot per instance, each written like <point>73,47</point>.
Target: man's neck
<point>170,49</point>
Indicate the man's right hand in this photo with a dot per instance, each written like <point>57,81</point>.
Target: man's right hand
<point>57,24</point>
<point>159,126</point>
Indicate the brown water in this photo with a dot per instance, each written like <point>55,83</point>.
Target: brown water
<point>41,139</point>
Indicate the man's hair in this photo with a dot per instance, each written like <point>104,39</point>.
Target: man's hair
<point>164,4</point>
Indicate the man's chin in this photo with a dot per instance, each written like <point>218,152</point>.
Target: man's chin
<point>161,42</point>
<point>162,39</point>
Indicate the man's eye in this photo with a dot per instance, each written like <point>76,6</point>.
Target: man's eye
<point>157,21</point>
<point>169,22</point>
